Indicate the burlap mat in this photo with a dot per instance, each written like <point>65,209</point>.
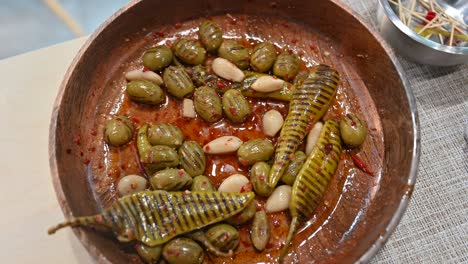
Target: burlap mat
<point>434,228</point>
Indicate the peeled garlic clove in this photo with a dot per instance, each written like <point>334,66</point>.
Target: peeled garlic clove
<point>223,145</point>
<point>153,77</point>
<point>267,84</point>
<point>272,122</point>
<point>141,75</point>
<point>227,70</point>
<point>234,183</point>
<point>279,199</point>
<point>188,109</point>
<point>313,137</point>
<point>131,184</point>
<point>134,75</point>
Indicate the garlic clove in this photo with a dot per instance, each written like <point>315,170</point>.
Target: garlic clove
<point>151,76</point>
<point>188,109</point>
<point>234,183</point>
<point>223,145</point>
<point>227,70</point>
<point>267,84</point>
<point>130,184</point>
<point>313,137</point>
<point>279,199</point>
<point>272,122</point>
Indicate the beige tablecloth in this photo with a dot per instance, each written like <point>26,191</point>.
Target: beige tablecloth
<point>434,228</point>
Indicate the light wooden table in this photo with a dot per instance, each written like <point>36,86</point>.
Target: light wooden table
<point>27,199</point>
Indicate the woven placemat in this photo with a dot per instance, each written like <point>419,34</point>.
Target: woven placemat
<point>434,228</point>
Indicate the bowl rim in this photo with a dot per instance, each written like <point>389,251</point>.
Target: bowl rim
<point>416,151</point>
<point>374,247</point>
<point>392,16</point>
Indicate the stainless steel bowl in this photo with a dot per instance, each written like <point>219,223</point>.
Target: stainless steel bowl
<point>417,48</point>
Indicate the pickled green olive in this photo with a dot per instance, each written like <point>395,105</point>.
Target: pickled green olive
<point>204,76</point>
<point>210,35</point>
<point>183,251</point>
<point>235,106</point>
<point>286,66</point>
<point>255,150</point>
<point>353,130</point>
<point>165,134</point>
<point>258,177</point>
<point>293,168</point>
<point>171,180</point>
<point>235,52</point>
<point>155,157</point>
<point>192,158</point>
<point>260,230</point>
<point>177,81</point>
<point>263,57</point>
<point>149,255</point>
<point>208,104</point>
<point>223,237</point>
<point>189,51</point>
<point>245,215</point>
<point>118,131</point>
<point>202,184</point>
<point>157,58</point>
<point>160,157</point>
<point>146,92</point>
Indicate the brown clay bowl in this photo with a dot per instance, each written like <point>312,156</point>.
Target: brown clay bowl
<point>361,211</point>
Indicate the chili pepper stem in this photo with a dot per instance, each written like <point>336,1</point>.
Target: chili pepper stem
<point>292,231</point>
<point>79,221</point>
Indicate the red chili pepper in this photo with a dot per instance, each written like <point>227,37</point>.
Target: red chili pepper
<point>429,16</point>
<point>361,165</point>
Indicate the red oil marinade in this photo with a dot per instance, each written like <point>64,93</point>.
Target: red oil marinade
<point>117,162</point>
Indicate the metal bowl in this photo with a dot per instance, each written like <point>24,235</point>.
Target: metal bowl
<point>419,49</point>
<point>364,210</point>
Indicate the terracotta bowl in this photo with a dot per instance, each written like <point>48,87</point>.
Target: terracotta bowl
<point>363,210</point>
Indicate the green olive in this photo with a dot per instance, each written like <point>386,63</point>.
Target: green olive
<point>293,168</point>
<point>263,57</point>
<point>235,106</point>
<point>202,184</point>
<point>235,52</point>
<point>353,130</point>
<point>177,81</point>
<point>260,231</point>
<point>208,104</point>
<point>286,66</point>
<point>192,158</point>
<point>171,180</point>
<point>210,35</point>
<point>189,51</point>
<point>165,134</point>
<point>204,76</point>
<point>157,58</point>
<point>255,150</point>
<point>146,92</point>
<point>160,157</point>
<point>149,254</point>
<point>183,251</point>
<point>118,131</point>
<point>258,177</point>
<point>245,215</point>
<point>223,237</point>
<point>155,157</point>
